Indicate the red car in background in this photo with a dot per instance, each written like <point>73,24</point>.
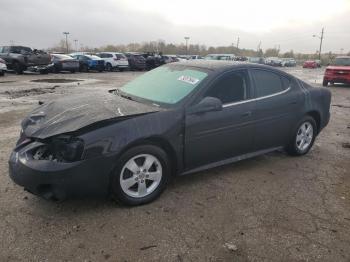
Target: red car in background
<point>310,64</point>
<point>339,72</point>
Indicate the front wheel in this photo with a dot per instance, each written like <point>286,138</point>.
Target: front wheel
<point>18,68</point>
<point>141,175</point>
<point>303,138</point>
<point>109,67</point>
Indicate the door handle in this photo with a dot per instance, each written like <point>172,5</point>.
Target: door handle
<point>246,114</point>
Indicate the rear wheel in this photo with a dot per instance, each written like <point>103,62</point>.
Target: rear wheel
<point>325,83</point>
<point>109,67</point>
<point>2,73</point>
<point>303,138</point>
<point>141,175</point>
<point>84,68</point>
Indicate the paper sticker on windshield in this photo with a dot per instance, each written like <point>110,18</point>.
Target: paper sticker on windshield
<point>188,79</point>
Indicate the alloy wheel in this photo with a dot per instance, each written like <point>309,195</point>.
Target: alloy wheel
<point>141,175</point>
<point>304,136</point>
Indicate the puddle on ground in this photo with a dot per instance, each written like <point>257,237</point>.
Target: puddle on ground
<point>29,92</point>
<point>7,81</point>
<point>55,81</point>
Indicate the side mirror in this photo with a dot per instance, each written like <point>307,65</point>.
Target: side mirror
<point>208,104</point>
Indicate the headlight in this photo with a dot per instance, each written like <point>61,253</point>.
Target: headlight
<point>61,149</point>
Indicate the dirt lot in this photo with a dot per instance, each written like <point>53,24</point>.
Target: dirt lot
<point>269,208</point>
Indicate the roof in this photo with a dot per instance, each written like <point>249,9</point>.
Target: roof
<point>217,65</point>
<point>108,52</point>
<point>210,64</point>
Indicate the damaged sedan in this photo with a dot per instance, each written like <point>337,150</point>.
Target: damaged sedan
<point>177,119</point>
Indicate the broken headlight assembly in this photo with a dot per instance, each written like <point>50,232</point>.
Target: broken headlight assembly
<point>60,149</point>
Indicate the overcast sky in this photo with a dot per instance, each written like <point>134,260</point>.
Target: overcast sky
<point>290,24</point>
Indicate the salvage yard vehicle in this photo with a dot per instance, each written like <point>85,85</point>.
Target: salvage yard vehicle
<point>114,60</point>
<point>136,61</point>
<point>22,58</point>
<point>3,67</point>
<point>339,72</point>
<point>62,62</point>
<point>129,142</point>
<point>224,57</point>
<point>256,60</point>
<point>310,64</point>
<point>89,62</point>
<point>273,61</point>
<point>288,62</point>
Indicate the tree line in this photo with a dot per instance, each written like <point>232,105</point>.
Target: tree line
<point>192,49</point>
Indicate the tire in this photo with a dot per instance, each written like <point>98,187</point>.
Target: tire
<point>296,146</point>
<point>121,69</point>
<point>17,68</point>
<point>44,72</point>
<point>2,73</point>
<point>131,193</point>
<point>109,67</point>
<point>325,83</point>
<point>72,71</point>
<point>56,70</point>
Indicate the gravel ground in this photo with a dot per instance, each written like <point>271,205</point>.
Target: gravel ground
<point>269,208</point>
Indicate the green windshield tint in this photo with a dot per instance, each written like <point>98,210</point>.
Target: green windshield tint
<point>165,84</point>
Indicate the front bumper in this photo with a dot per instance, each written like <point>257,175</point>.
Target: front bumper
<point>59,180</point>
<point>98,67</point>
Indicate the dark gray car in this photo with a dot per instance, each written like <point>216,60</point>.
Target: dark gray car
<point>177,119</point>
<point>21,58</point>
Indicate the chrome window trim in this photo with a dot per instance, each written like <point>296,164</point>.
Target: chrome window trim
<point>256,99</point>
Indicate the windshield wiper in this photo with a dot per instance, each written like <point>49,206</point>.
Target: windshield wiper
<point>118,93</point>
<point>126,97</point>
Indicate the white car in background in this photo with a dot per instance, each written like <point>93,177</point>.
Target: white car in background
<point>3,67</point>
<point>225,57</point>
<point>114,60</point>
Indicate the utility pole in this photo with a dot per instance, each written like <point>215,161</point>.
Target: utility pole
<point>187,38</point>
<point>75,44</point>
<point>237,42</point>
<point>66,33</point>
<point>321,40</point>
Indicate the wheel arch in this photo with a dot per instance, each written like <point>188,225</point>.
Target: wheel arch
<point>160,142</point>
<point>317,117</point>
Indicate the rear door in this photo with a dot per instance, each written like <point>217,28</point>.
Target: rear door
<point>278,102</point>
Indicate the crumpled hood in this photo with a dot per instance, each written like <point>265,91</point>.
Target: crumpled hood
<point>78,111</point>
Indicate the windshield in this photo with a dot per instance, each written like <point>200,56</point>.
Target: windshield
<point>344,61</point>
<point>165,84</point>
<point>93,57</point>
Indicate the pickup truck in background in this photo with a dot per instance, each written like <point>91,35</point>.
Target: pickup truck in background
<point>21,58</point>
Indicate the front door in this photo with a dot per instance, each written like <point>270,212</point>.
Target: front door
<point>219,135</point>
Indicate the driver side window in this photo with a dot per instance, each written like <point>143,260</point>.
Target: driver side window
<point>230,88</point>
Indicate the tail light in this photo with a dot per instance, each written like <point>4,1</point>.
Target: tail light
<point>115,59</point>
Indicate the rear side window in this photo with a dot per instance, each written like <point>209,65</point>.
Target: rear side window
<point>119,56</point>
<point>268,83</point>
